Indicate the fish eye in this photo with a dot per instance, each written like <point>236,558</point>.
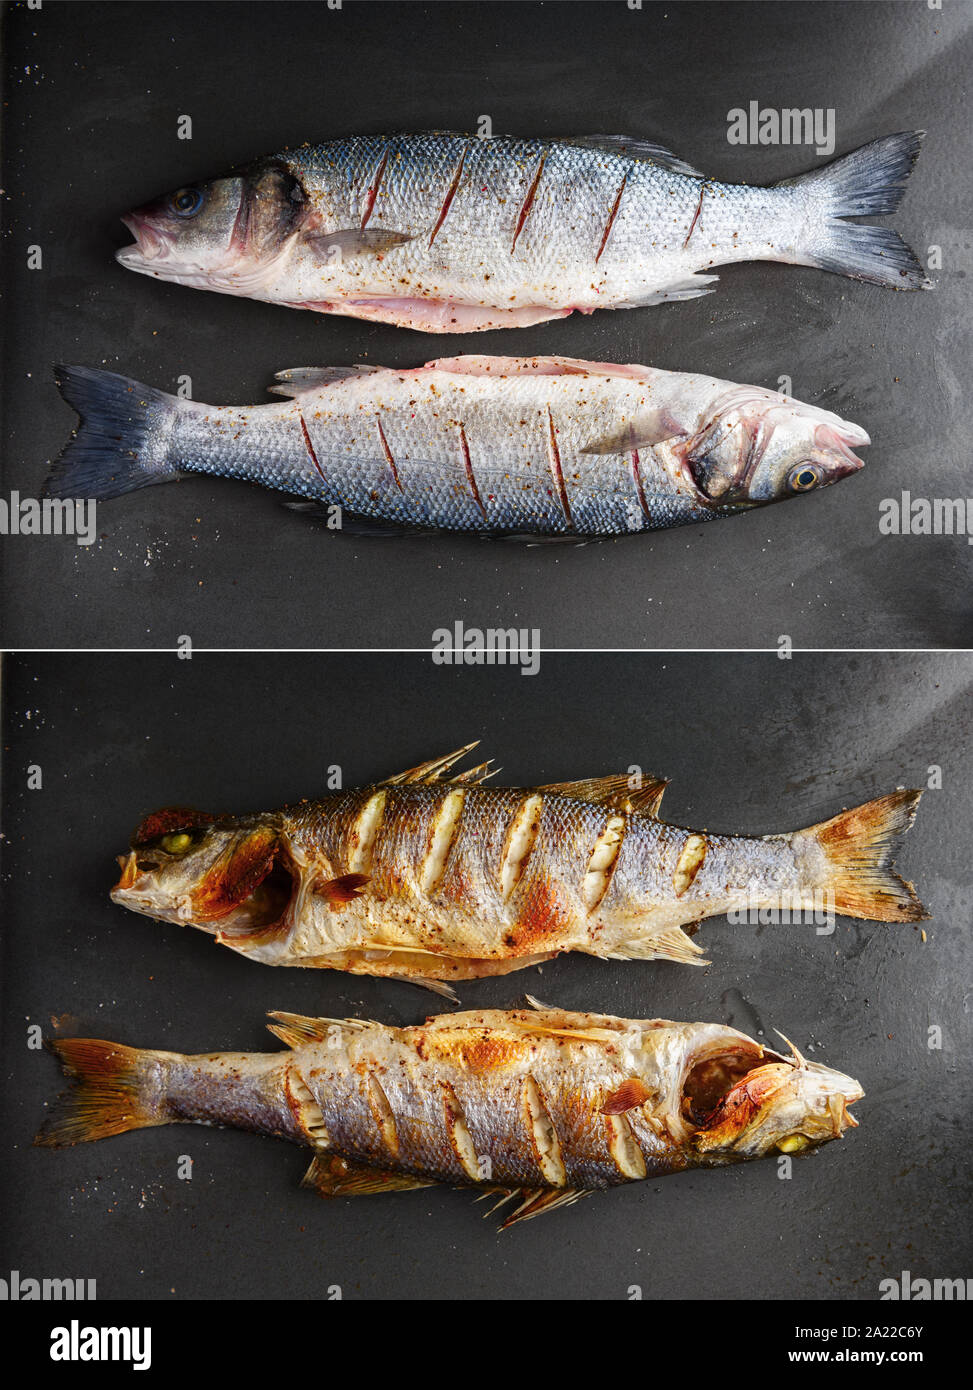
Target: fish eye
<point>177,843</point>
<point>803,478</point>
<point>186,202</point>
<point>793,1143</point>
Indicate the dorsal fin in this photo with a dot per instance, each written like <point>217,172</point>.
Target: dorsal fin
<point>294,381</point>
<point>636,148</point>
<point>297,1029</point>
<point>615,791</point>
<point>430,771</point>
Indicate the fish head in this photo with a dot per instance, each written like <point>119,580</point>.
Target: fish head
<point>224,875</point>
<point>229,234</point>
<point>771,1103</point>
<point>758,447</point>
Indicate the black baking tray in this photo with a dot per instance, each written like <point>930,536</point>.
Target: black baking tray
<point>752,743</point>
<point>92,97</point>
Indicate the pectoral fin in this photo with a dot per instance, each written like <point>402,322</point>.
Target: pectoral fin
<point>628,1095</point>
<point>338,891</point>
<point>644,430</point>
<point>353,241</point>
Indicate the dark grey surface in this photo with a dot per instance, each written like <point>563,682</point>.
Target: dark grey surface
<point>753,744</point>
<point>93,94</point>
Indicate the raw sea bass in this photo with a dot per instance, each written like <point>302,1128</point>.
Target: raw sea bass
<point>433,878</point>
<point>537,1107</point>
<point>454,233</point>
<point>541,446</point>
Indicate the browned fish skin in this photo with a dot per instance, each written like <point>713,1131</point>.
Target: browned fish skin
<point>438,879</point>
<point>546,1102</point>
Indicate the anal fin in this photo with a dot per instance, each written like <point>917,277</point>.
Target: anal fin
<point>330,1175</point>
<point>671,944</point>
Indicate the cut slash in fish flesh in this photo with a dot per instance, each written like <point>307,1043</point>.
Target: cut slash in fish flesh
<point>502,446</point>
<point>537,1107</point>
<point>435,877</point>
<point>452,233</point>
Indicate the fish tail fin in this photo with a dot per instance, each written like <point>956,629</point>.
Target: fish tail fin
<point>858,846</point>
<point>123,441</point>
<point>868,182</point>
<point>114,1088</point>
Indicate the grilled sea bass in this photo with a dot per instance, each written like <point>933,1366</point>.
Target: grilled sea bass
<point>544,446</point>
<point>540,1107</point>
<point>452,233</point>
<point>433,876</point>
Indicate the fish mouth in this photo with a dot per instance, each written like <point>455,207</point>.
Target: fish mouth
<point>738,1098</point>
<point>262,912</point>
<point>150,243</point>
<point>712,1074</point>
<point>839,441</point>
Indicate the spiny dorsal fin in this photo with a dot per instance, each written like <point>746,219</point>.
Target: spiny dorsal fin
<point>297,1029</point>
<point>333,1176</point>
<point>430,771</point>
<point>294,381</point>
<point>637,148</point>
<point>615,791</point>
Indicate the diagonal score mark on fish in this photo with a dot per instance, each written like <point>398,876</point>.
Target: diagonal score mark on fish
<point>449,233</point>
<point>536,1106</point>
<point>435,877</point>
<point>498,446</point>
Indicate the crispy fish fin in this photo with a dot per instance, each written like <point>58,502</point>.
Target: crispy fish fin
<point>430,771</point>
<point>297,1029</point>
<point>627,1096</point>
<point>858,846</point>
<point>636,148</point>
<point>671,944</point>
<point>343,889</point>
<point>294,381</point>
<point>333,1176</point>
<point>354,241</point>
<point>614,791</point>
<point>536,1201</point>
<point>109,1093</point>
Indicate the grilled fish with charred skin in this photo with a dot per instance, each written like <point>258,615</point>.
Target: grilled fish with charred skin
<point>435,877</point>
<point>538,1106</point>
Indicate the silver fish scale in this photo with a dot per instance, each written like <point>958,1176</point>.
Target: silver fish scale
<point>464,452</point>
<point>532,221</point>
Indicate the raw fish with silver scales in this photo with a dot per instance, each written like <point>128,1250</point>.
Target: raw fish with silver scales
<point>450,233</point>
<point>552,447</point>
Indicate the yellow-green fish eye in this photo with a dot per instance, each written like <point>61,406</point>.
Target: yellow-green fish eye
<point>793,1144</point>
<point>186,202</point>
<point>177,843</point>
<point>803,478</point>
